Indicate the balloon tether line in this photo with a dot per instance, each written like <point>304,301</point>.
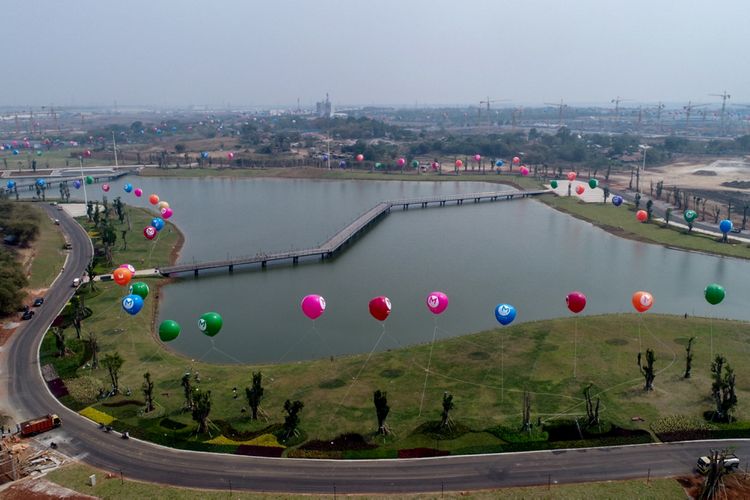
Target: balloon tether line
<point>361,369</point>
<point>575,346</point>
<point>427,372</point>
<point>502,366</point>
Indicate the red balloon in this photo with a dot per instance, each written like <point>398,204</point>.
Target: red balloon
<point>641,215</point>
<point>580,189</point>
<point>516,160</point>
<point>572,176</point>
<point>576,301</point>
<point>459,163</point>
<point>380,307</point>
<point>153,199</point>
<point>360,157</point>
<point>642,301</point>
<point>149,232</point>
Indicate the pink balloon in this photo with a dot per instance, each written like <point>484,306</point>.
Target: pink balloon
<point>129,268</point>
<point>166,213</point>
<point>477,157</point>
<point>437,302</point>
<point>401,162</point>
<point>105,187</point>
<point>524,171</point>
<point>230,155</point>
<point>138,192</point>
<point>313,306</point>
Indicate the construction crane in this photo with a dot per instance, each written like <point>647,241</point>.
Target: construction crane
<point>724,96</point>
<point>689,108</point>
<point>486,102</point>
<point>617,100</point>
<point>659,107</point>
<point>516,116</point>
<point>560,108</point>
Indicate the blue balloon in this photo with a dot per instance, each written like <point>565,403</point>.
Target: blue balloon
<point>157,223</point>
<point>505,314</point>
<point>11,184</point>
<point>204,154</point>
<point>499,163</point>
<point>325,157</point>
<point>725,226</point>
<point>15,151</point>
<point>342,164</point>
<point>77,184</point>
<point>128,187</point>
<point>617,200</point>
<point>132,304</point>
<point>40,182</point>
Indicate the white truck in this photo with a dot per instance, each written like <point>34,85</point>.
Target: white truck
<point>76,282</point>
<point>731,463</point>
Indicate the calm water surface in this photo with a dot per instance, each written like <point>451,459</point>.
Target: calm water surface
<point>520,252</point>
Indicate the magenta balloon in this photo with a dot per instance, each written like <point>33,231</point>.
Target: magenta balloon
<point>138,192</point>
<point>437,302</point>
<point>166,213</point>
<point>313,306</point>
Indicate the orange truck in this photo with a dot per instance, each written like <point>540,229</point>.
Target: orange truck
<point>41,424</point>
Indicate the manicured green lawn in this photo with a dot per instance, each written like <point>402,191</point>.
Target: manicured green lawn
<point>622,222</point>
<point>75,476</point>
<point>49,255</point>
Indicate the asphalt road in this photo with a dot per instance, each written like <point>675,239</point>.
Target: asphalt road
<point>81,438</point>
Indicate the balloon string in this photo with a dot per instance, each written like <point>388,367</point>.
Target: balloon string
<point>427,372</point>
<point>356,378</point>
<point>640,344</point>
<point>502,366</point>
<point>575,347</point>
<point>711,335</point>
<point>153,246</point>
<point>227,355</point>
<point>299,341</point>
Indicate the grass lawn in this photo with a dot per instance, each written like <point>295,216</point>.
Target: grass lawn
<point>621,221</point>
<point>75,477</point>
<point>486,379</point>
<point>49,255</point>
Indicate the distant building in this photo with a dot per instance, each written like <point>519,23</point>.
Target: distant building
<point>323,109</point>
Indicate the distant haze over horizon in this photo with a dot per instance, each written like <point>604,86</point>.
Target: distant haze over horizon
<point>417,53</point>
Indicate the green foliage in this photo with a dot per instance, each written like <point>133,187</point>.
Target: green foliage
<point>291,420</point>
<point>201,409</point>
<point>254,394</point>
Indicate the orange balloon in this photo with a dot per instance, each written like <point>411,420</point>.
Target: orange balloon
<point>642,301</point>
<point>580,189</point>
<point>572,176</point>
<point>122,276</point>
<point>641,215</point>
<point>153,199</point>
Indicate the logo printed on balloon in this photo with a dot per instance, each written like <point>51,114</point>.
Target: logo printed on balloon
<point>202,324</point>
<point>437,302</point>
<point>505,314</point>
<point>127,303</point>
<point>433,301</point>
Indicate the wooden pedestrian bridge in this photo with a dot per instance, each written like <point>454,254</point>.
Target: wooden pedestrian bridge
<point>350,232</point>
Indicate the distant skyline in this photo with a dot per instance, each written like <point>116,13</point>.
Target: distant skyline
<point>174,53</point>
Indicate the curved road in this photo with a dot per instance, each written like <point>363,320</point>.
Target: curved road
<point>81,438</point>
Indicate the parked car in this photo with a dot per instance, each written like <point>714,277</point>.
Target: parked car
<point>38,301</point>
<point>57,222</point>
<point>27,315</point>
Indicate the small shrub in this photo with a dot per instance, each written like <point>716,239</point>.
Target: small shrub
<point>332,384</point>
<point>84,389</point>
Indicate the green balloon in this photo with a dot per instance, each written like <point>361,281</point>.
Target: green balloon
<point>210,323</point>
<point>39,152</point>
<point>169,330</point>
<point>414,163</point>
<point>89,179</point>
<point>593,183</point>
<point>553,184</point>
<point>690,215</point>
<point>139,288</point>
<point>714,293</point>
<point>378,165</point>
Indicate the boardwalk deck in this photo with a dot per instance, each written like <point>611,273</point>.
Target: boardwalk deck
<point>349,232</point>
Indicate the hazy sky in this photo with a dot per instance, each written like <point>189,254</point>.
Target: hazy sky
<point>272,52</point>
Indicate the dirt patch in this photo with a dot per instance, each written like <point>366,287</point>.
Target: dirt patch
<point>736,486</point>
<point>40,489</point>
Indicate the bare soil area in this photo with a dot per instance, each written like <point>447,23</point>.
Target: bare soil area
<point>736,486</point>
<point>40,489</point>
